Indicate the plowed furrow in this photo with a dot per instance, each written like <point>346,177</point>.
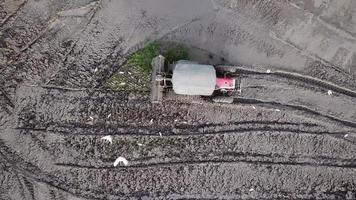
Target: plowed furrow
<point>296,107</point>
<point>228,179</point>
<point>328,163</point>
<point>84,129</point>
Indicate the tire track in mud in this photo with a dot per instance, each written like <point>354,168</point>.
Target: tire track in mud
<point>6,103</point>
<point>301,78</point>
<point>84,170</point>
<point>305,92</point>
<point>137,105</point>
<point>12,14</point>
<point>327,163</point>
<point>249,145</point>
<point>7,98</point>
<point>270,164</point>
<point>209,178</point>
<point>101,129</point>
<point>219,179</point>
<point>296,107</point>
<point>26,169</point>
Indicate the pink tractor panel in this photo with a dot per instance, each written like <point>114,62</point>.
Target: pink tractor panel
<point>225,83</point>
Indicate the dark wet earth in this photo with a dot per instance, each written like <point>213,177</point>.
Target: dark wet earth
<point>291,134</point>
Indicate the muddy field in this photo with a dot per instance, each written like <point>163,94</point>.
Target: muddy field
<point>290,135</point>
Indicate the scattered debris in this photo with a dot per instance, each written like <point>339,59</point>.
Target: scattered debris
<point>107,138</point>
<point>90,120</point>
<point>330,92</point>
<point>121,160</point>
<point>268,71</point>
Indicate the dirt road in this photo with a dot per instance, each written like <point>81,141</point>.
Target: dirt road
<point>291,135</point>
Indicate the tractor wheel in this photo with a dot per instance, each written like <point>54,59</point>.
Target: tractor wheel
<point>223,99</point>
<point>171,67</point>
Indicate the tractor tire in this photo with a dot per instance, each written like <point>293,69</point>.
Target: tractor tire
<point>171,67</point>
<point>223,100</point>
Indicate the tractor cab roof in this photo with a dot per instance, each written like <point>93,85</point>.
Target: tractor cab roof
<point>193,79</point>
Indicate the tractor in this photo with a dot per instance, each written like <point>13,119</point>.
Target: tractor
<point>190,79</point>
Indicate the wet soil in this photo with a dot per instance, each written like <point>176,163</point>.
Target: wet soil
<point>291,134</point>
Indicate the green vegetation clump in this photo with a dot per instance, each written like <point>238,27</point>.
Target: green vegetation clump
<point>135,74</point>
<point>142,59</point>
<point>176,52</point>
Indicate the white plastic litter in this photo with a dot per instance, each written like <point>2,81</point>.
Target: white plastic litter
<point>121,72</point>
<point>278,110</point>
<point>160,134</point>
<point>122,83</point>
<point>107,138</point>
<point>91,118</point>
<point>109,115</point>
<point>151,121</point>
<point>268,71</point>
<point>253,107</point>
<point>121,160</point>
<point>251,189</point>
<point>330,92</point>
<point>346,135</point>
<point>96,69</point>
<point>140,144</point>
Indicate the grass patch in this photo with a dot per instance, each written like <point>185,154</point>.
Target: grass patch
<point>136,73</point>
<point>129,78</point>
<point>142,59</point>
<point>175,53</point>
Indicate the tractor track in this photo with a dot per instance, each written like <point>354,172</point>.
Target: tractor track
<point>256,148</point>
<point>12,14</point>
<point>347,164</point>
<point>83,165</point>
<point>7,98</point>
<point>296,107</point>
<point>203,130</point>
<point>139,100</point>
<point>226,148</point>
<point>30,171</point>
<point>172,174</point>
<point>186,135</point>
<point>248,146</point>
<point>302,78</point>
<point>300,94</point>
